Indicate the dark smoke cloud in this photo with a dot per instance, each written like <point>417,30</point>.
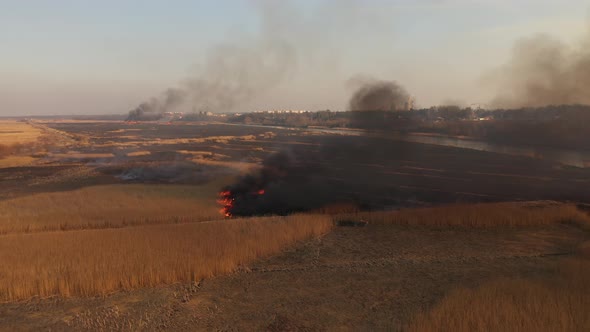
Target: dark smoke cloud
<point>271,189</point>
<point>332,171</point>
<point>378,95</point>
<point>544,71</point>
<point>147,111</point>
<point>289,40</point>
<point>288,181</point>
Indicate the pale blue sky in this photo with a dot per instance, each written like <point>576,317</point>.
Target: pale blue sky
<point>66,57</point>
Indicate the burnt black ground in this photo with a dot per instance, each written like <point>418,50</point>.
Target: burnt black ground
<point>372,171</point>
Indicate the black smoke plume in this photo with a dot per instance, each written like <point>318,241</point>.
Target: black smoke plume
<point>290,40</point>
<point>147,111</point>
<point>264,191</point>
<point>287,182</point>
<point>328,172</point>
<point>378,95</point>
<point>373,102</point>
<point>544,71</point>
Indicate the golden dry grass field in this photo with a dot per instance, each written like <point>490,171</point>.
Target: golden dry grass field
<point>13,132</point>
<point>484,215</point>
<point>14,138</point>
<point>84,248</point>
<point>343,276</point>
<point>132,205</point>
<point>86,263</point>
<point>109,206</point>
<point>560,303</point>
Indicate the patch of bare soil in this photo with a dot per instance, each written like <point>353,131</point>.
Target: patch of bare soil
<point>368,278</point>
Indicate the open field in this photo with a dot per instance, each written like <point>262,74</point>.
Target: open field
<point>17,139</point>
<point>375,172</point>
<point>478,215</point>
<point>559,303</point>
<point>378,277</point>
<point>84,263</point>
<point>113,227</point>
<point>287,166</point>
<point>109,206</point>
<point>381,278</point>
<point>13,132</point>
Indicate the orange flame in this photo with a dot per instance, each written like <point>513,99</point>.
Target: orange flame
<point>227,202</point>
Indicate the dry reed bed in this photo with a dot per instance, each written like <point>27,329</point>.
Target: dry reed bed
<point>511,214</point>
<point>84,263</point>
<point>16,138</point>
<point>14,133</point>
<point>108,207</point>
<point>558,304</point>
<point>10,149</point>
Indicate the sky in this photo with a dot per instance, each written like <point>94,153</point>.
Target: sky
<point>106,57</point>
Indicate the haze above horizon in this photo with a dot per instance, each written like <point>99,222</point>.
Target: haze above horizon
<point>82,57</point>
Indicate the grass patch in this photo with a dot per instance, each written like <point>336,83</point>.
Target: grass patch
<point>18,141</point>
<point>557,304</point>
<point>13,133</point>
<point>109,207</point>
<point>85,263</point>
<point>16,161</point>
<point>511,214</point>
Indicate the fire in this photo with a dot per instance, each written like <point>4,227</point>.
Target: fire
<point>227,202</point>
<point>227,199</point>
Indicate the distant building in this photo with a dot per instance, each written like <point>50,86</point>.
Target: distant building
<point>281,111</point>
<point>172,116</point>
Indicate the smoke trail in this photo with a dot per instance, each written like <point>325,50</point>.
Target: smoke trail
<point>292,39</point>
<point>544,71</point>
<point>233,73</point>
